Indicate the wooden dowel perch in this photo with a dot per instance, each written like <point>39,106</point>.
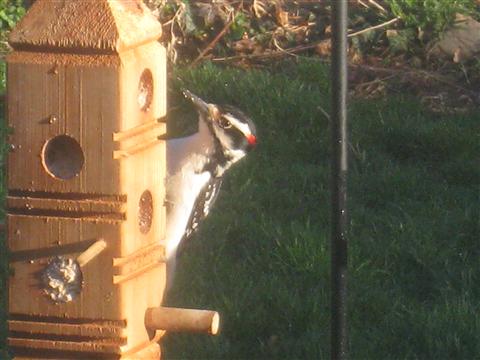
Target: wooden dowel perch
<point>182,320</point>
<point>91,252</point>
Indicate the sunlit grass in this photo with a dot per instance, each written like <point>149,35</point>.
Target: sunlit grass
<point>262,258</point>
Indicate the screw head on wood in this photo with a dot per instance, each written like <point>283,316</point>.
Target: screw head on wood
<point>54,70</point>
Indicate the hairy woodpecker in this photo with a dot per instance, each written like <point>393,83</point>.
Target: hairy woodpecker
<point>196,165</point>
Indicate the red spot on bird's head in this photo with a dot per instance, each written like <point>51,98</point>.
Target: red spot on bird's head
<point>252,139</point>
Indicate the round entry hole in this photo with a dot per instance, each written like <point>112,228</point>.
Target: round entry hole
<point>145,90</point>
<point>63,157</point>
<point>145,212</point>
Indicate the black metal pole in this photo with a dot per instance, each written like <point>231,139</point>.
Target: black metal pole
<point>339,340</point>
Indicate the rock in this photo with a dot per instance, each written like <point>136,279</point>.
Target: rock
<point>459,43</point>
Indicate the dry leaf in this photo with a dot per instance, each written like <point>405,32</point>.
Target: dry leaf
<point>259,8</point>
<point>282,16</point>
<point>324,47</point>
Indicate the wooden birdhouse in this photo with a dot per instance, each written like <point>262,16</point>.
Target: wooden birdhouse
<point>86,101</point>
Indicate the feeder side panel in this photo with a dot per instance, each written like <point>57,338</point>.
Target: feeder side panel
<point>142,156</point>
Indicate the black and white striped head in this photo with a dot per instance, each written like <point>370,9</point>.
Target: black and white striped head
<point>234,130</point>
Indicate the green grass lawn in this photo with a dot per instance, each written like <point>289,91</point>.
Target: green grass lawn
<point>262,257</point>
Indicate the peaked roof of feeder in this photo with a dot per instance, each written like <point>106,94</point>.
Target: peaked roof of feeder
<point>95,25</point>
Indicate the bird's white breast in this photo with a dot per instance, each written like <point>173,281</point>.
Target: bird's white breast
<point>186,158</point>
<point>181,204</point>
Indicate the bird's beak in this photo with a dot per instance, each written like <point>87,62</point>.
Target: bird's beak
<point>202,106</point>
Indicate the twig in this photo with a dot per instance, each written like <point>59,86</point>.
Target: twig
<point>172,52</point>
<point>286,51</point>
<point>217,38</point>
<point>324,112</point>
<point>389,22</point>
<point>363,4</point>
<point>374,3</point>
<point>272,54</point>
<point>374,81</point>
<point>377,5</point>
<point>213,42</point>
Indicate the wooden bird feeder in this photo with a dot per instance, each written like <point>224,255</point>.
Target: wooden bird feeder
<point>86,101</point>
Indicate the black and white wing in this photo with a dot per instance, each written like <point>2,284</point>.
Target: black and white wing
<point>201,207</point>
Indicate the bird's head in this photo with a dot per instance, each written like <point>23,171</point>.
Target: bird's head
<point>234,130</point>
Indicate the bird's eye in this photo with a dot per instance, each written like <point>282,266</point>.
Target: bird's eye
<point>224,123</point>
